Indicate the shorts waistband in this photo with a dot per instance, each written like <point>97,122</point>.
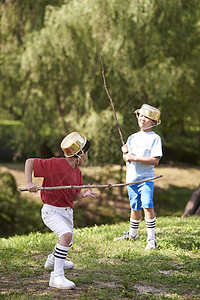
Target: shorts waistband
<point>57,207</point>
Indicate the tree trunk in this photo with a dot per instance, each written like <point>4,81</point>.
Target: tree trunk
<point>193,205</point>
<point>197,212</point>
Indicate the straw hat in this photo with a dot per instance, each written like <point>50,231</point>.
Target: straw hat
<point>149,112</point>
<point>73,143</point>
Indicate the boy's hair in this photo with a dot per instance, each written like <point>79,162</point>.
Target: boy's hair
<point>85,149</point>
<point>86,146</point>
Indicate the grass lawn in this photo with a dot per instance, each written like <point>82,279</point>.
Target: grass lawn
<point>105,269</point>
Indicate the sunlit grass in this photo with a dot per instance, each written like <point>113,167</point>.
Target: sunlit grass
<point>105,269</point>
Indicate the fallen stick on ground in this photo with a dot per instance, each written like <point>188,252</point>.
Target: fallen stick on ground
<point>100,186</point>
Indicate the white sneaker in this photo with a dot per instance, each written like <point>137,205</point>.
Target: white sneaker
<point>59,281</point>
<point>126,236</point>
<point>151,244</point>
<point>49,264</point>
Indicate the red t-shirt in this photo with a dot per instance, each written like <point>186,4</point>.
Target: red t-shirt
<point>57,172</point>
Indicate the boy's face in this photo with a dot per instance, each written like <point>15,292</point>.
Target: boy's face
<point>83,158</point>
<point>144,123</point>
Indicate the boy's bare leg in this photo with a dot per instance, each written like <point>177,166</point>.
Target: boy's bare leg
<point>136,215</point>
<point>149,213</point>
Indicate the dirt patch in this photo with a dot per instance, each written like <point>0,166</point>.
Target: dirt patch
<point>145,289</point>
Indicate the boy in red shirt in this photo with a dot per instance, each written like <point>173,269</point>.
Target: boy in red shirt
<point>57,211</point>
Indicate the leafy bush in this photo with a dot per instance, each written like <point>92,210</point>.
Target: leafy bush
<point>9,131</point>
<point>17,216</point>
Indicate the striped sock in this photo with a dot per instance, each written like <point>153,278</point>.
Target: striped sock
<point>60,253</point>
<point>150,224</point>
<point>134,225</point>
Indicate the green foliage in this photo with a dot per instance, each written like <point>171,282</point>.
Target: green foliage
<point>51,73</point>
<point>9,200</point>
<point>16,214</point>
<point>9,131</point>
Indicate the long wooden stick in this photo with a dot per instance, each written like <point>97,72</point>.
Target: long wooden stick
<point>105,85</point>
<point>92,186</point>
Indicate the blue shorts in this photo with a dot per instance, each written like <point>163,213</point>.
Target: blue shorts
<point>141,195</point>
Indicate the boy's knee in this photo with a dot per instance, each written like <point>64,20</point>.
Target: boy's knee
<point>66,238</point>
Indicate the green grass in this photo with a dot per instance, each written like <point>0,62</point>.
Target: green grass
<point>105,269</point>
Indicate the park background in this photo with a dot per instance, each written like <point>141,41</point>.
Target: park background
<point>51,84</point>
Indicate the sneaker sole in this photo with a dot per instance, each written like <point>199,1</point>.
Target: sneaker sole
<point>149,249</point>
<point>51,269</point>
<point>122,240</point>
<point>63,288</point>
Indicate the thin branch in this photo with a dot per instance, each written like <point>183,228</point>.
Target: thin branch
<point>105,85</point>
<point>92,186</point>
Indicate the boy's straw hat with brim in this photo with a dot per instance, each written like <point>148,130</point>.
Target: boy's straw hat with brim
<point>149,112</point>
<point>73,143</point>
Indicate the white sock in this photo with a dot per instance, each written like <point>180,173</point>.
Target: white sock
<point>134,225</point>
<point>150,224</point>
<point>60,253</point>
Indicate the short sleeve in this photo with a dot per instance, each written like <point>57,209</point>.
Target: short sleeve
<point>41,167</point>
<point>156,150</point>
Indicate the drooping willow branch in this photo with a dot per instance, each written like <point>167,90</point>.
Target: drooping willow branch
<point>100,186</point>
<point>105,85</point>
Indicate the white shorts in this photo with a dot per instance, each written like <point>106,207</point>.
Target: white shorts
<point>58,219</point>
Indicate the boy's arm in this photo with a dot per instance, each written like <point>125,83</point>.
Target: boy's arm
<point>143,160</point>
<point>84,194</point>
<point>28,174</point>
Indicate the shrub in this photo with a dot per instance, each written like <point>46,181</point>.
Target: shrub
<point>17,215</point>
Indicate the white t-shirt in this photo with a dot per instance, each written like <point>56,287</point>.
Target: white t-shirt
<point>142,144</point>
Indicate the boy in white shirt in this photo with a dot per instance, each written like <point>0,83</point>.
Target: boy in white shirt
<point>142,153</point>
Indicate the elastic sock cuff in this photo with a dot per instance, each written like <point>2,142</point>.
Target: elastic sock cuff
<point>150,220</point>
<point>135,221</point>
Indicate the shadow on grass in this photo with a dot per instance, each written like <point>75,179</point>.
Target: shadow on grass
<point>188,241</point>
<point>127,274</point>
<point>171,202</point>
